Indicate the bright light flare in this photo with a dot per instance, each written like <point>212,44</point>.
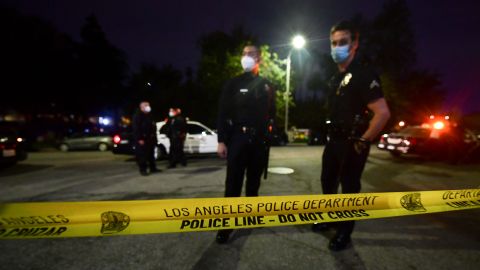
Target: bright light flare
<point>438,125</point>
<point>401,123</point>
<point>298,42</point>
<point>105,121</point>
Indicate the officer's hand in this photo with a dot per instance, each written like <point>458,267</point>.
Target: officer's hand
<point>360,145</point>
<point>222,150</point>
<point>141,142</point>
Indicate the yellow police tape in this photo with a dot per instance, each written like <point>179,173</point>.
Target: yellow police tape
<point>104,218</point>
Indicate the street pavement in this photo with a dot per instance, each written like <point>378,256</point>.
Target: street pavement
<point>434,241</point>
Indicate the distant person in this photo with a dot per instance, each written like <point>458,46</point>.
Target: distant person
<point>144,133</point>
<point>176,132</point>
<point>246,109</point>
<point>355,92</point>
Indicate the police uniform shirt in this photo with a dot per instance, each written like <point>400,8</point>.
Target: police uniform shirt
<point>350,93</point>
<point>143,127</point>
<point>247,100</point>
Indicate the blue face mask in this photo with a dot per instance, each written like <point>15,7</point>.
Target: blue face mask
<point>340,53</point>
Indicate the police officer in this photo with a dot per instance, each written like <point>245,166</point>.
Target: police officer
<point>145,138</point>
<point>176,132</point>
<point>355,94</point>
<point>247,106</point>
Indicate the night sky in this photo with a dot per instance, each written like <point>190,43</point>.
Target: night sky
<point>162,32</point>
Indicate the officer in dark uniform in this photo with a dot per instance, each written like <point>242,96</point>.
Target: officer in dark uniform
<point>144,133</point>
<point>246,109</point>
<point>176,132</point>
<point>357,113</point>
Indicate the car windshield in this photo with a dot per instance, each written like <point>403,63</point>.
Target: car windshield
<point>415,132</point>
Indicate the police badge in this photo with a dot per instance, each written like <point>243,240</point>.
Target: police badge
<point>412,202</point>
<point>346,79</point>
<point>113,222</point>
<point>344,82</point>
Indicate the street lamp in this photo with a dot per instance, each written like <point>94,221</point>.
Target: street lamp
<point>298,42</point>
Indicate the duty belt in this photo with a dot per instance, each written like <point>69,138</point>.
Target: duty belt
<point>337,133</point>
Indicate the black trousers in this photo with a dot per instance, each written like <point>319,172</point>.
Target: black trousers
<point>343,166</point>
<point>246,155</point>
<point>145,156</point>
<point>177,155</point>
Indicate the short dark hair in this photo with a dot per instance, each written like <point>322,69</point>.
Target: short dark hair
<point>346,26</point>
<point>257,48</point>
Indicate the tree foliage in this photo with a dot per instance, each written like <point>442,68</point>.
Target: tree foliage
<point>102,67</point>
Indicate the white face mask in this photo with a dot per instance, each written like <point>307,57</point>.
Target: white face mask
<point>248,63</point>
<point>171,114</point>
<point>147,109</point>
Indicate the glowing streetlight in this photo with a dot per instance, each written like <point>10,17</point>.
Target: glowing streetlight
<point>298,42</point>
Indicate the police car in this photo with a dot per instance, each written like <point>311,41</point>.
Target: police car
<point>433,139</point>
<point>199,140</point>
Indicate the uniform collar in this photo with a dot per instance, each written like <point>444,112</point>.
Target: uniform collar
<point>249,74</point>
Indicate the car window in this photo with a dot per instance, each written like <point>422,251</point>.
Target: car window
<point>77,135</point>
<point>196,129</point>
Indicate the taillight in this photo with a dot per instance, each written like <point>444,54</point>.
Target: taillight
<point>116,139</point>
<point>382,139</point>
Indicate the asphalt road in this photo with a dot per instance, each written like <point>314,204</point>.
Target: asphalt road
<point>434,241</point>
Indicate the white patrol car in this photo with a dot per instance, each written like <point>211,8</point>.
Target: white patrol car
<point>200,139</point>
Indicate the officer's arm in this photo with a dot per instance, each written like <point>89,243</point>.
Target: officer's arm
<point>136,127</point>
<point>223,113</point>
<point>223,108</point>
<point>381,114</point>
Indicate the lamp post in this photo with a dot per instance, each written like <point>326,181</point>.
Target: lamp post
<point>298,42</point>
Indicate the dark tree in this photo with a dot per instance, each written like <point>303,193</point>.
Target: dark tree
<point>37,63</point>
<point>102,68</point>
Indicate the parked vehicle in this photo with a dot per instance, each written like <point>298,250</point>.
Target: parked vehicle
<point>200,140</point>
<point>12,146</point>
<point>299,134</point>
<point>86,141</point>
<point>279,138</point>
<point>123,143</point>
<point>434,141</point>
